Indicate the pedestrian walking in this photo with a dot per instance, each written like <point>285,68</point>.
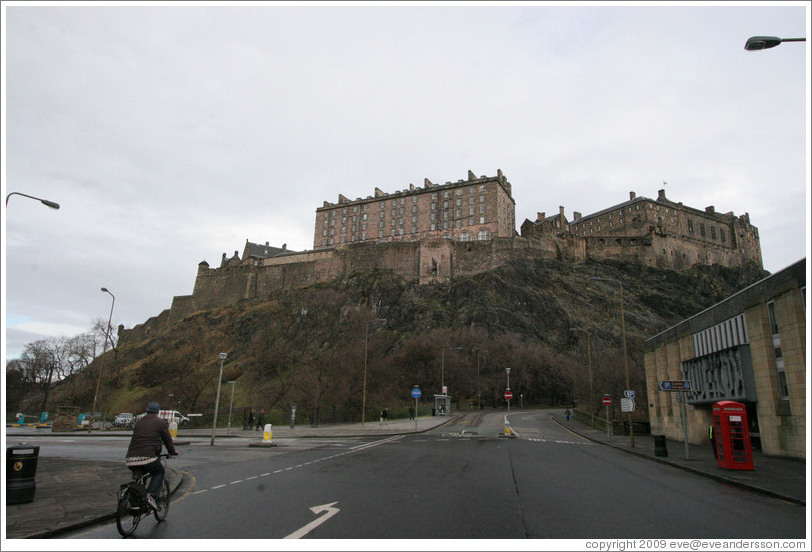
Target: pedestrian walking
<point>260,419</point>
<point>567,414</point>
<point>384,415</point>
<point>411,413</point>
<point>713,441</point>
<point>250,423</point>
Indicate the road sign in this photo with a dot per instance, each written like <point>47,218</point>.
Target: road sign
<point>607,400</point>
<point>416,392</point>
<point>675,385</point>
<point>626,404</point>
<point>508,395</point>
<point>629,394</point>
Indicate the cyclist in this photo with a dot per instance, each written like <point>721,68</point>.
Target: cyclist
<point>143,454</point>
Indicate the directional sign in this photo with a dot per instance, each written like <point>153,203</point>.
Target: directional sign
<point>626,404</point>
<point>629,394</point>
<point>416,392</point>
<point>675,385</point>
<point>607,400</point>
<point>508,395</point>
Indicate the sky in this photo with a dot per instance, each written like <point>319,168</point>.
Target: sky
<point>170,134</point>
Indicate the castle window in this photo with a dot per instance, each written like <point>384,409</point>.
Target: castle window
<point>355,208</point>
<point>464,235</point>
<point>481,208</point>
<point>482,188</point>
<point>702,229</point>
<point>459,213</point>
<point>445,226</point>
<point>459,191</point>
<point>471,221</point>
<point>383,205</point>
<point>470,210</point>
<point>445,205</point>
<point>458,223</point>
<point>483,235</point>
<point>482,199</point>
<point>414,208</point>
<point>713,232</point>
<point>414,220</point>
<point>459,202</point>
<point>434,196</point>
<point>434,216</point>
<point>433,206</point>
<point>445,193</point>
<point>481,220</point>
<point>690,226</point>
<point>722,235</point>
<point>414,199</point>
<point>434,226</point>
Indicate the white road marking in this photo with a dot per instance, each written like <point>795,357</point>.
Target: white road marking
<point>330,512</point>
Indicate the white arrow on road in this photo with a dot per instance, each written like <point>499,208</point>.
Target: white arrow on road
<point>299,533</point>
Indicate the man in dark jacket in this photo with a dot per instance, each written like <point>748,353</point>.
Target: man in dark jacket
<point>143,455</point>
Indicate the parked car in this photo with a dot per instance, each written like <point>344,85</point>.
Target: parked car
<point>125,419</point>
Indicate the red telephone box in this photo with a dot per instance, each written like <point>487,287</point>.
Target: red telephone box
<point>730,430</point>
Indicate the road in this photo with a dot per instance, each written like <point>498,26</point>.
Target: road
<point>461,481</point>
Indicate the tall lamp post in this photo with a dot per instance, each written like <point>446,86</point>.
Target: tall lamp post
<point>98,379</point>
<point>46,202</point>
<point>507,371</point>
<point>217,400</point>
<point>366,355</point>
<point>764,42</point>
<point>442,365</point>
<point>230,404</point>
<point>589,362</point>
<point>625,355</point>
<point>478,389</point>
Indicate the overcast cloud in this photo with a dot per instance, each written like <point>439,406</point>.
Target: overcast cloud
<point>171,134</point>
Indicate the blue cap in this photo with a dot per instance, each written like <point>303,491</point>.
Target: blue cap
<point>153,408</point>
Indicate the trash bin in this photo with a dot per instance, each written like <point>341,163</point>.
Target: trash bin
<point>21,467</point>
<point>660,448</point>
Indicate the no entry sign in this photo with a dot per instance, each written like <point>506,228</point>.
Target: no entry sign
<point>508,395</point>
<point>607,400</point>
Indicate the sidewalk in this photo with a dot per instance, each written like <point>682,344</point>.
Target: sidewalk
<point>74,493</point>
<point>783,478</point>
<point>71,494</point>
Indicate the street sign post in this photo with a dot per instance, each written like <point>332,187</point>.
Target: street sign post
<point>607,400</point>
<point>508,395</point>
<point>416,392</point>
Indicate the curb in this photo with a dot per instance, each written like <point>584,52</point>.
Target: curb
<point>176,482</point>
<point>719,478</point>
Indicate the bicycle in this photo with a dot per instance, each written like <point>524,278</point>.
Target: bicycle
<point>131,508</point>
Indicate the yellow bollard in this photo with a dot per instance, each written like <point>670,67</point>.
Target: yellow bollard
<point>173,430</point>
<point>267,433</point>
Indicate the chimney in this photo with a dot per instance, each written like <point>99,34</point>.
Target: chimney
<point>540,217</point>
<point>267,244</point>
<point>661,195</point>
<point>471,175</point>
<point>427,183</point>
<point>342,199</point>
<point>561,212</point>
<point>632,195</point>
<point>710,209</point>
<point>284,246</point>
<point>575,215</point>
<point>378,192</point>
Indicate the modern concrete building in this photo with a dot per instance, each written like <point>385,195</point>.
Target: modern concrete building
<point>750,348</point>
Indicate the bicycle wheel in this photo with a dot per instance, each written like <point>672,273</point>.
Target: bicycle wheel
<point>127,518</point>
<point>162,501</point>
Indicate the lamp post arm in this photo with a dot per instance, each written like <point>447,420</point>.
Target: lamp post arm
<point>46,202</point>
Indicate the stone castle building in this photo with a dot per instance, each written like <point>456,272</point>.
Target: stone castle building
<point>435,233</point>
<point>474,209</point>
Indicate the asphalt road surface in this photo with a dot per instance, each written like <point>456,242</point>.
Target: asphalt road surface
<point>462,481</point>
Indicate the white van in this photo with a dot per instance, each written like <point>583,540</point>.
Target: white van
<point>173,416</point>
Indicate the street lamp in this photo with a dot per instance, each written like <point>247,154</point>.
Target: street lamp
<point>507,371</point>
<point>589,361</point>
<point>764,42</point>
<point>228,430</point>
<point>442,365</point>
<point>217,400</point>
<point>106,339</point>
<point>478,389</point>
<point>46,202</point>
<point>625,355</point>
